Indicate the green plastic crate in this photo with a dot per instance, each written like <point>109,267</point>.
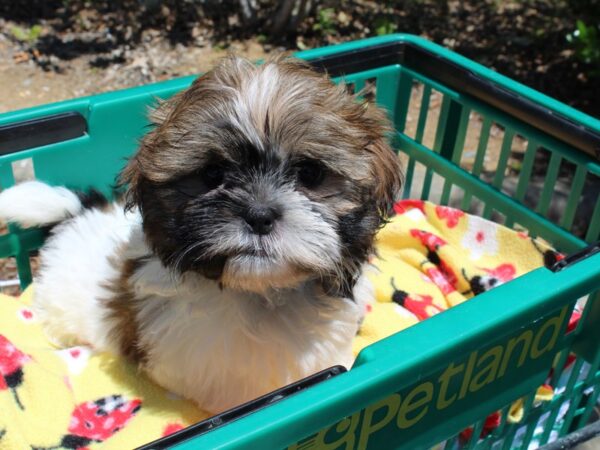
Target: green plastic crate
<point>414,389</point>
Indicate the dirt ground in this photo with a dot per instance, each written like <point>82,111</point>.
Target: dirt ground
<point>55,49</point>
<point>24,84</point>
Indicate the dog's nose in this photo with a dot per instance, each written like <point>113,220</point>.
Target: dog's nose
<point>261,219</point>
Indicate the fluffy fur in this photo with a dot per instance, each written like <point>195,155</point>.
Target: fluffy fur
<point>44,205</point>
<point>238,264</point>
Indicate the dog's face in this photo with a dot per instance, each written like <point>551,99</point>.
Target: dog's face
<point>264,176</point>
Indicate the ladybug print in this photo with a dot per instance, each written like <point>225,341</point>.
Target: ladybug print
<point>429,240</point>
<point>504,272</point>
<point>96,421</point>
<point>421,306</point>
<point>443,275</point>
<point>439,279</point>
<point>11,368</point>
<point>171,428</point>
<point>402,206</point>
<point>493,278</point>
<point>481,283</point>
<point>450,215</point>
<point>550,257</point>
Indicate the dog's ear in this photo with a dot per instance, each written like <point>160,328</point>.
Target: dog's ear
<point>129,180</point>
<point>387,173</point>
<point>140,164</point>
<point>152,157</point>
<point>386,168</point>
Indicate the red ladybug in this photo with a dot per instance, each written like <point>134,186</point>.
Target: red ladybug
<point>171,428</point>
<point>549,256</point>
<point>504,272</point>
<point>429,240</point>
<point>450,215</point>
<point>421,306</point>
<point>96,421</point>
<point>442,275</point>
<point>440,279</point>
<point>11,367</point>
<point>400,207</point>
<point>493,278</point>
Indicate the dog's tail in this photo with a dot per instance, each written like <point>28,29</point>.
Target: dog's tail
<point>36,204</point>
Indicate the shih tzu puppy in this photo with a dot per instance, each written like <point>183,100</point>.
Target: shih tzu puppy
<point>235,264</point>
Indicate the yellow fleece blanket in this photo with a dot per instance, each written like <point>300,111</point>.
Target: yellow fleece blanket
<point>429,258</point>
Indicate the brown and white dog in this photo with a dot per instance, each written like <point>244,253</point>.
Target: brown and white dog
<point>235,265</point>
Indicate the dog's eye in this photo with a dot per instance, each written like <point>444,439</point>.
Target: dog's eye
<point>201,181</point>
<point>213,176</point>
<point>310,173</point>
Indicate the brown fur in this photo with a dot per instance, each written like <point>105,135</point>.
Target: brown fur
<point>122,316</point>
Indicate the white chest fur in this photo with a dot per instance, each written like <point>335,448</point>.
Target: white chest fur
<point>221,348</point>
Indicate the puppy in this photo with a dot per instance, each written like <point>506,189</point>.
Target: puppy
<point>235,265</point>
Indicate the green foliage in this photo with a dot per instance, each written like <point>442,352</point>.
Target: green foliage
<point>586,40</point>
<point>28,35</point>
<point>325,22</point>
<point>384,25</point>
